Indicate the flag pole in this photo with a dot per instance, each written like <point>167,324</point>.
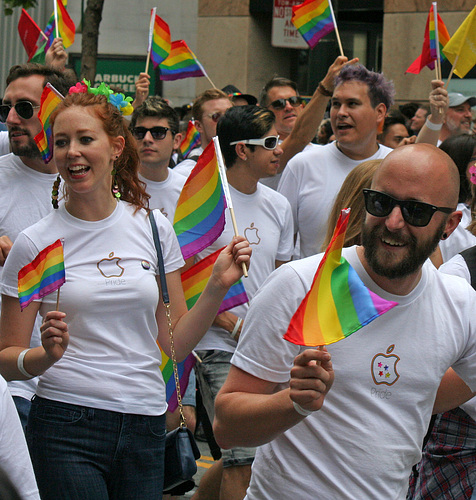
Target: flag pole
<point>56,18</point>
<point>336,29</point>
<point>151,33</point>
<point>57,299</point>
<point>451,72</point>
<point>204,72</point>
<point>43,35</point>
<point>226,189</point>
<point>437,42</point>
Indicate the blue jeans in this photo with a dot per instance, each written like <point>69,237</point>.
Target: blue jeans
<point>82,453</point>
<point>23,408</point>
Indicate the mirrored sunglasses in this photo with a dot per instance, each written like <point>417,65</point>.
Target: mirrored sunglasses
<point>157,133</point>
<point>269,142</point>
<point>415,213</point>
<point>24,109</point>
<point>294,100</point>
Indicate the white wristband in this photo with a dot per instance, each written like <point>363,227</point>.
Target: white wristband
<point>234,333</point>
<point>302,411</point>
<point>433,126</point>
<point>20,366</point>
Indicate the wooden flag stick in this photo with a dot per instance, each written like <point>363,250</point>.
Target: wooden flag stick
<point>337,30</point>
<point>43,35</point>
<point>226,189</point>
<point>57,298</point>
<point>56,18</point>
<point>151,34</point>
<point>451,72</point>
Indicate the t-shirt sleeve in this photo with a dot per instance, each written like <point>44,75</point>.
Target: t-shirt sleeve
<point>286,241</point>
<point>457,267</point>
<point>173,259</point>
<point>289,187</point>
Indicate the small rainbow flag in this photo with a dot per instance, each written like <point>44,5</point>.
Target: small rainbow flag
<point>159,43</point>
<point>43,275</point>
<point>191,139</point>
<point>195,279</point>
<point>338,303</point>
<point>50,98</point>
<point>66,27</point>
<point>200,214</point>
<point>313,19</point>
<point>181,63</point>
<point>439,35</point>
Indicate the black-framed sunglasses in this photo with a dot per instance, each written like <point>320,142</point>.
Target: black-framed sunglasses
<point>24,109</point>
<point>416,213</point>
<point>157,133</point>
<point>269,142</point>
<point>294,100</point>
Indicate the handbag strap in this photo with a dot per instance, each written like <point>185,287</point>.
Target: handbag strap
<point>166,301</point>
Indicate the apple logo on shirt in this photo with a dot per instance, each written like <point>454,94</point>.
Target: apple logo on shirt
<point>384,367</point>
<point>110,268</point>
<point>251,234</point>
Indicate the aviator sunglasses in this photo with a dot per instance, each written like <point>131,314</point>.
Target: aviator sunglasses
<point>415,213</point>
<point>157,133</point>
<point>269,142</point>
<point>294,100</point>
<point>24,109</point>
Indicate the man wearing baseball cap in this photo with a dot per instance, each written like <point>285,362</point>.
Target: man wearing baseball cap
<point>458,117</point>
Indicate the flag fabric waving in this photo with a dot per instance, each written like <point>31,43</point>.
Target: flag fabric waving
<point>338,303</point>
<point>181,63</point>
<point>191,139</point>
<point>200,214</point>
<point>439,35</point>
<point>43,275</point>
<point>49,100</point>
<point>461,49</point>
<point>313,19</point>
<point>66,27</point>
<point>428,52</point>
<point>29,33</point>
<point>160,46</point>
<point>196,278</point>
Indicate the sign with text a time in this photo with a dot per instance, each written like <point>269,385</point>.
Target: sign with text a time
<point>284,34</point>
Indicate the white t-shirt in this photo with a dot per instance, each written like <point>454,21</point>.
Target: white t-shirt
<point>110,298</point>
<point>186,166</point>
<point>25,199</point>
<point>311,181</point>
<point>460,238</point>
<point>364,441</point>
<point>4,143</point>
<point>14,456</point>
<point>164,195</point>
<point>264,219</point>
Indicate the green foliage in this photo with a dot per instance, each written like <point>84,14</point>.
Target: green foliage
<point>9,5</point>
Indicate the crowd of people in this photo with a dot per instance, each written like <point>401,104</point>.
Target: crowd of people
<point>85,415</point>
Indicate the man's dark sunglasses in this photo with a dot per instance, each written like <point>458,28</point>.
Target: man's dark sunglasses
<point>415,213</point>
<point>24,109</point>
<point>294,100</point>
<point>157,133</point>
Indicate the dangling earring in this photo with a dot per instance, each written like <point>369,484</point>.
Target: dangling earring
<point>55,191</point>
<point>115,187</point>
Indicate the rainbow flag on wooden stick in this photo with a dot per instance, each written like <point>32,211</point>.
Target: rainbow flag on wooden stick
<point>191,139</point>
<point>181,63</point>
<point>66,27</point>
<point>439,35</point>
<point>50,98</point>
<point>338,303</point>
<point>44,275</point>
<point>313,19</point>
<point>159,39</point>
<point>200,214</point>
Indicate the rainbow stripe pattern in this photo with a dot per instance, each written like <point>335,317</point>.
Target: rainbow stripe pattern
<point>196,278</point>
<point>313,19</point>
<point>66,27</point>
<point>443,36</point>
<point>160,48</point>
<point>191,139</point>
<point>338,303</point>
<point>181,63</point>
<point>43,275</point>
<point>200,214</point>
<point>49,100</point>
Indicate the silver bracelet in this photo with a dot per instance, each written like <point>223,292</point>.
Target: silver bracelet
<point>20,366</point>
<point>433,126</point>
<point>302,411</point>
<point>234,333</point>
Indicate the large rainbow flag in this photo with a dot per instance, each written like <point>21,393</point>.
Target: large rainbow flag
<point>200,214</point>
<point>196,278</point>
<point>43,275</point>
<point>313,19</point>
<point>338,303</point>
<point>181,63</point>
<point>50,98</point>
<point>191,139</point>
<point>160,43</point>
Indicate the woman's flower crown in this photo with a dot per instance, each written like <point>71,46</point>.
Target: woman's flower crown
<point>120,101</point>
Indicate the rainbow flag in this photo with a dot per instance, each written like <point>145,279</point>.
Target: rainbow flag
<point>428,51</point>
<point>338,303</point>
<point>200,214</point>
<point>167,368</point>
<point>43,275</point>
<point>50,98</point>
<point>181,63</point>
<point>160,42</point>
<point>313,19</point>
<point>66,27</point>
<point>191,139</point>
<point>195,279</point>
<point>438,33</point>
